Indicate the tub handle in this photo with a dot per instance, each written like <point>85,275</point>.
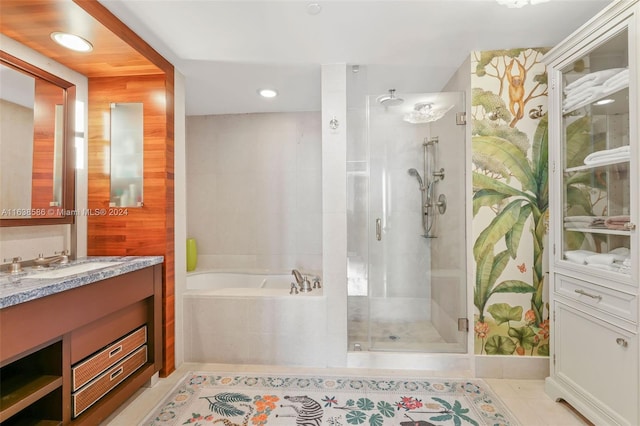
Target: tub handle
<point>294,289</point>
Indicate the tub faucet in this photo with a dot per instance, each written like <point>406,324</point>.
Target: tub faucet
<point>303,281</point>
<point>298,276</point>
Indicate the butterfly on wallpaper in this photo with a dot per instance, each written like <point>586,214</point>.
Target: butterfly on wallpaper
<point>522,268</point>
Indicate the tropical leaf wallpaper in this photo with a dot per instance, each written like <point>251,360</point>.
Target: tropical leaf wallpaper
<point>510,202</point>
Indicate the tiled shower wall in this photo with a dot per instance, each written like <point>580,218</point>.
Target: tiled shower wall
<point>254,190</point>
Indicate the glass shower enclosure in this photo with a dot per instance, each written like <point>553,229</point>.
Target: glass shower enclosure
<point>406,224</point>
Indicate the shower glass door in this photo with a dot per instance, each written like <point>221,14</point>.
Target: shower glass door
<point>416,288</point>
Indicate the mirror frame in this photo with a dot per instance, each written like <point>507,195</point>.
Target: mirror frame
<point>68,161</point>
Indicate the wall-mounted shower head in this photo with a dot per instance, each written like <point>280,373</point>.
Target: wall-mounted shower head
<point>391,99</point>
<point>414,172</point>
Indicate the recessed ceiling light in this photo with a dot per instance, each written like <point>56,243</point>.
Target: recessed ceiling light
<point>604,101</point>
<point>72,41</point>
<point>314,8</point>
<point>267,93</point>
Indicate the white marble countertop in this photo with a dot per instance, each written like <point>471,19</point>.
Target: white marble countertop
<point>25,286</point>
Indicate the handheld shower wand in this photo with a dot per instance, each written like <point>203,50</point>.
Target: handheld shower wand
<point>414,172</point>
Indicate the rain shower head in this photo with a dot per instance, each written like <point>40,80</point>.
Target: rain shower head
<point>391,99</point>
<point>414,172</point>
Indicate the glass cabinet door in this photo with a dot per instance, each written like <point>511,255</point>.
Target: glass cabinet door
<point>596,175</point>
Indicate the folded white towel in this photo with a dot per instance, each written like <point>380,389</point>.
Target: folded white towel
<point>619,85</point>
<point>584,224</point>
<point>589,219</point>
<point>612,268</point>
<point>601,259</point>
<point>582,97</point>
<point>616,80</point>
<point>578,256</point>
<point>608,159</point>
<point>627,262</point>
<point>622,152</point>
<point>592,79</point>
<point>622,251</point>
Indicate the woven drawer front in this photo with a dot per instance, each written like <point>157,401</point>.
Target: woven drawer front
<point>95,390</point>
<point>85,371</point>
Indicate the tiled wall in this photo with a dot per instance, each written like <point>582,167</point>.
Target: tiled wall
<point>254,190</point>
<point>334,212</point>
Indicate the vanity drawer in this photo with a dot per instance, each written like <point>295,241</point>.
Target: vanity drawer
<point>99,387</point>
<point>85,371</point>
<point>611,301</point>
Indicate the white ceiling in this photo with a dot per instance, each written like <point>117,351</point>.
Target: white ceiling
<point>229,49</point>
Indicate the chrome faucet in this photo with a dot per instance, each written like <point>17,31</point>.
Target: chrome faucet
<point>303,281</point>
<point>14,267</point>
<point>59,257</point>
<point>298,276</point>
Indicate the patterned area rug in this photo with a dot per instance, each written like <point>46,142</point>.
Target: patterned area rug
<point>205,398</point>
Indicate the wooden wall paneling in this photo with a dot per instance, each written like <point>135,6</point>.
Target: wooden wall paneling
<point>146,230</point>
<point>169,272</point>
<point>31,22</point>
<point>158,171</point>
<point>109,21</point>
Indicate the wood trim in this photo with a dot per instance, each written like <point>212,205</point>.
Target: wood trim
<point>126,34</point>
<point>31,23</point>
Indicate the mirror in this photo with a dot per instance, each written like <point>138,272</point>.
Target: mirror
<point>36,152</point>
<point>126,154</point>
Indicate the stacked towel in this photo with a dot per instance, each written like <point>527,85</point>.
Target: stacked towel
<point>622,252</point>
<point>578,256</point>
<point>604,259</point>
<point>584,222</point>
<point>622,153</point>
<point>618,81</point>
<point>585,95</point>
<point>617,222</point>
<point>592,79</point>
<point>591,86</point>
<point>617,260</point>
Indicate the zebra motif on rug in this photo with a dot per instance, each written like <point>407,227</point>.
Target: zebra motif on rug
<point>308,414</point>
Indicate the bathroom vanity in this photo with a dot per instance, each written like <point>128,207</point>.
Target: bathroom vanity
<point>78,340</point>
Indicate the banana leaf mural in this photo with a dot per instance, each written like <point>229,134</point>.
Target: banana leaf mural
<point>510,179</point>
<point>531,201</point>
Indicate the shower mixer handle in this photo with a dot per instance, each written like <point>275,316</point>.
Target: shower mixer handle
<point>439,174</point>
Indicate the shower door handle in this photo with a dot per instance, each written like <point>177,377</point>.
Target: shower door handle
<point>378,229</point>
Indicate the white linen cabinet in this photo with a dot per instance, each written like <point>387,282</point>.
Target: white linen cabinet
<point>594,207</point>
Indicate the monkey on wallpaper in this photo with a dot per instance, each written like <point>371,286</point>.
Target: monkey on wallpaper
<point>516,90</point>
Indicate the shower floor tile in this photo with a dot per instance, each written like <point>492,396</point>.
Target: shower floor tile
<point>392,336</point>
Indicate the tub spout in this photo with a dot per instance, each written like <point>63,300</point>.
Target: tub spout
<point>303,281</point>
<point>298,276</point>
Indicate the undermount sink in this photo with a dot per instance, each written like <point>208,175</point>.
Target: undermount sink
<point>65,271</point>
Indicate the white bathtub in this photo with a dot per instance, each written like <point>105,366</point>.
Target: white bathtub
<point>243,283</point>
<point>251,318</point>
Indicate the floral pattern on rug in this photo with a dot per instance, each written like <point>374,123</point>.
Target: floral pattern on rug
<point>237,400</point>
